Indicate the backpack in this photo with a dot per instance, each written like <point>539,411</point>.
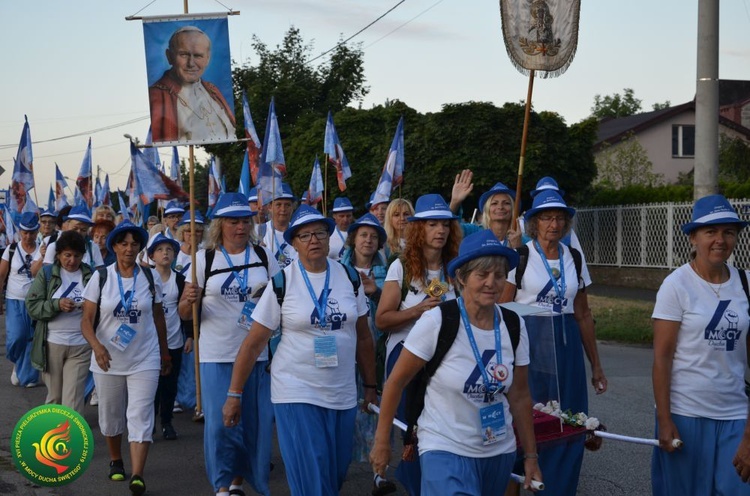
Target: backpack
<point>103,280</point>
<point>11,253</point>
<point>278,282</point>
<point>211,253</point>
<point>523,261</point>
<point>417,387</point>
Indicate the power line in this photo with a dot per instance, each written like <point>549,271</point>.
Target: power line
<point>82,133</point>
<point>407,22</point>
<point>357,33</point>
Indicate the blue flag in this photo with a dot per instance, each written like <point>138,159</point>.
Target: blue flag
<point>61,200</point>
<point>272,164</point>
<point>244,186</point>
<point>23,170</point>
<point>332,147</point>
<point>84,180</point>
<point>393,170</point>
<point>149,183</point>
<point>315,190</point>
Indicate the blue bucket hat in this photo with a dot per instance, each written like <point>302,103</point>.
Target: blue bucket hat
<point>497,189</point>
<point>304,215</point>
<point>48,213</point>
<point>368,220</point>
<point>431,207</point>
<point>186,218</point>
<point>81,213</point>
<point>544,184</point>
<point>712,209</point>
<point>286,193</point>
<point>253,195</point>
<point>140,234</point>
<point>232,205</point>
<point>372,201</point>
<point>29,222</point>
<point>342,204</point>
<point>159,239</point>
<point>548,200</point>
<point>174,208</point>
<point>482,244</point>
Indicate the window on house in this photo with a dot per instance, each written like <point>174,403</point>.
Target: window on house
<point>683,141</point>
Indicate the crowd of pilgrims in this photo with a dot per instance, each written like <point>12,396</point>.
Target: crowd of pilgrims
<point>305,321</point>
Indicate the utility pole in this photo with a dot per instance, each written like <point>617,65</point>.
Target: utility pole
<point>706,177</point>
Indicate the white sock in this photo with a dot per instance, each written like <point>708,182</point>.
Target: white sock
<point>235,486</point>
<point>222,493</point>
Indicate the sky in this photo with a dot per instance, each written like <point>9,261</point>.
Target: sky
<point>79,66</point>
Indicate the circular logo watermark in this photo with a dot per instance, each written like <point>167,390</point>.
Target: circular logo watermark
<point>52,445</point>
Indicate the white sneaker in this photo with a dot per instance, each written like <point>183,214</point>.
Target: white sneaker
<point>94,398</point>
<point>34,384</point>
<point>14,377</point>
<point>177,408</point>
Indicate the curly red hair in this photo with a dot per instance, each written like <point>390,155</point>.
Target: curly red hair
<point>413,260</point>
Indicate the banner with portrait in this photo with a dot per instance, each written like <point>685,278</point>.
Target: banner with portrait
<point>540,35</point>
<point>189,74</point>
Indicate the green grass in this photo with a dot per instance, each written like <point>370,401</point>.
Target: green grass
<point>624,321</point>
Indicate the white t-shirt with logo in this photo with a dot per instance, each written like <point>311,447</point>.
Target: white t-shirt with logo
<point>142,353</point>
<point>450,419</point>
<point>414,296</point>
<point>294,375</point>
<point>284,252</point>
<point>710,358</point>
<point>336,244</point>
<point>222,304</point>
<point>92,256</point>
<point>169,301</point>
<point>65,328</point>
<point>537,288</point>
<point>182,262</point>
<point>19,275</point>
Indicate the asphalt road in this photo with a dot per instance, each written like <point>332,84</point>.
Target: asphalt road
<point>176,467</point>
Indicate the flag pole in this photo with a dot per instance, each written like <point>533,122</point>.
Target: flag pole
<point>194,278</point>
<point>325,189</point>
<point>524,136</point>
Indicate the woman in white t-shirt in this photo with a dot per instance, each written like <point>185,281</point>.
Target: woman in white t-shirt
<point>700,358</point>
<point>324,334</point>
<point>55,302</point>
<point>551,281</point>
<point>129,345</point>
<point>239,270</point>
<point>496,208</point>
<point>396,221</point>
<point>417,282</point>
<point>20,263</point>
<point>479,389</point>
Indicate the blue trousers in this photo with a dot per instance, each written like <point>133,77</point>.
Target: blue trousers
<point>448,474</point>
<point>704,464</point>
<point>186,382</point>
<point>316,446</point>
<point>19,334</point>
<point>245,449</point>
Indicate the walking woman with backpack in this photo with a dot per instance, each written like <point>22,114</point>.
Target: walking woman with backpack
<point>55,302</point>
<point>550,275</point>
<point>478,356</point>
<point>123,322</point>
<point>321,310</point>
<point>416,282</point>
<point>230,275</point>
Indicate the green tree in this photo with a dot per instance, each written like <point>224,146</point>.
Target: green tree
<point>616,105</point>
<point>661,106</point>
<point>626,164</point>
<point>734,159</point>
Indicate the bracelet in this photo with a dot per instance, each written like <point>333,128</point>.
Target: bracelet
<point>370,386</point>
<point>236,391</point>
<point>234,394</point>
<point>530,456</point>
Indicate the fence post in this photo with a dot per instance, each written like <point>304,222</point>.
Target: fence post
<point>670,235</point>
<point>643,235</point>
<point>619,235</point>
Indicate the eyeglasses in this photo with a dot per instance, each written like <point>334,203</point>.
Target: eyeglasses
<point>560,219</point>
<point>305,237</point>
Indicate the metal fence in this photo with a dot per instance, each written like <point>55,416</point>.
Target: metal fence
<point>646,235</point>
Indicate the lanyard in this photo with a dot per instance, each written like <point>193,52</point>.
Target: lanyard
<point>280,255</point>
<point>490,387</point>
<point>343,242</point>
<point>242,279</point>
<point>126,303</point>
<point>319,303</point>
<point>559,290</point>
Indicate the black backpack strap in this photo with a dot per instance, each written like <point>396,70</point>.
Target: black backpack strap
<point>513,323</point>
<point>210,253</point>
<point>578,261</point>
<point>261,253</point>
<point>351,272</point>
<point>279,286</point>
<point>180,279</point>
<point>150,278</point>
<point>745,287</point>
<point>102,281</point>
<point>523,261</point>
